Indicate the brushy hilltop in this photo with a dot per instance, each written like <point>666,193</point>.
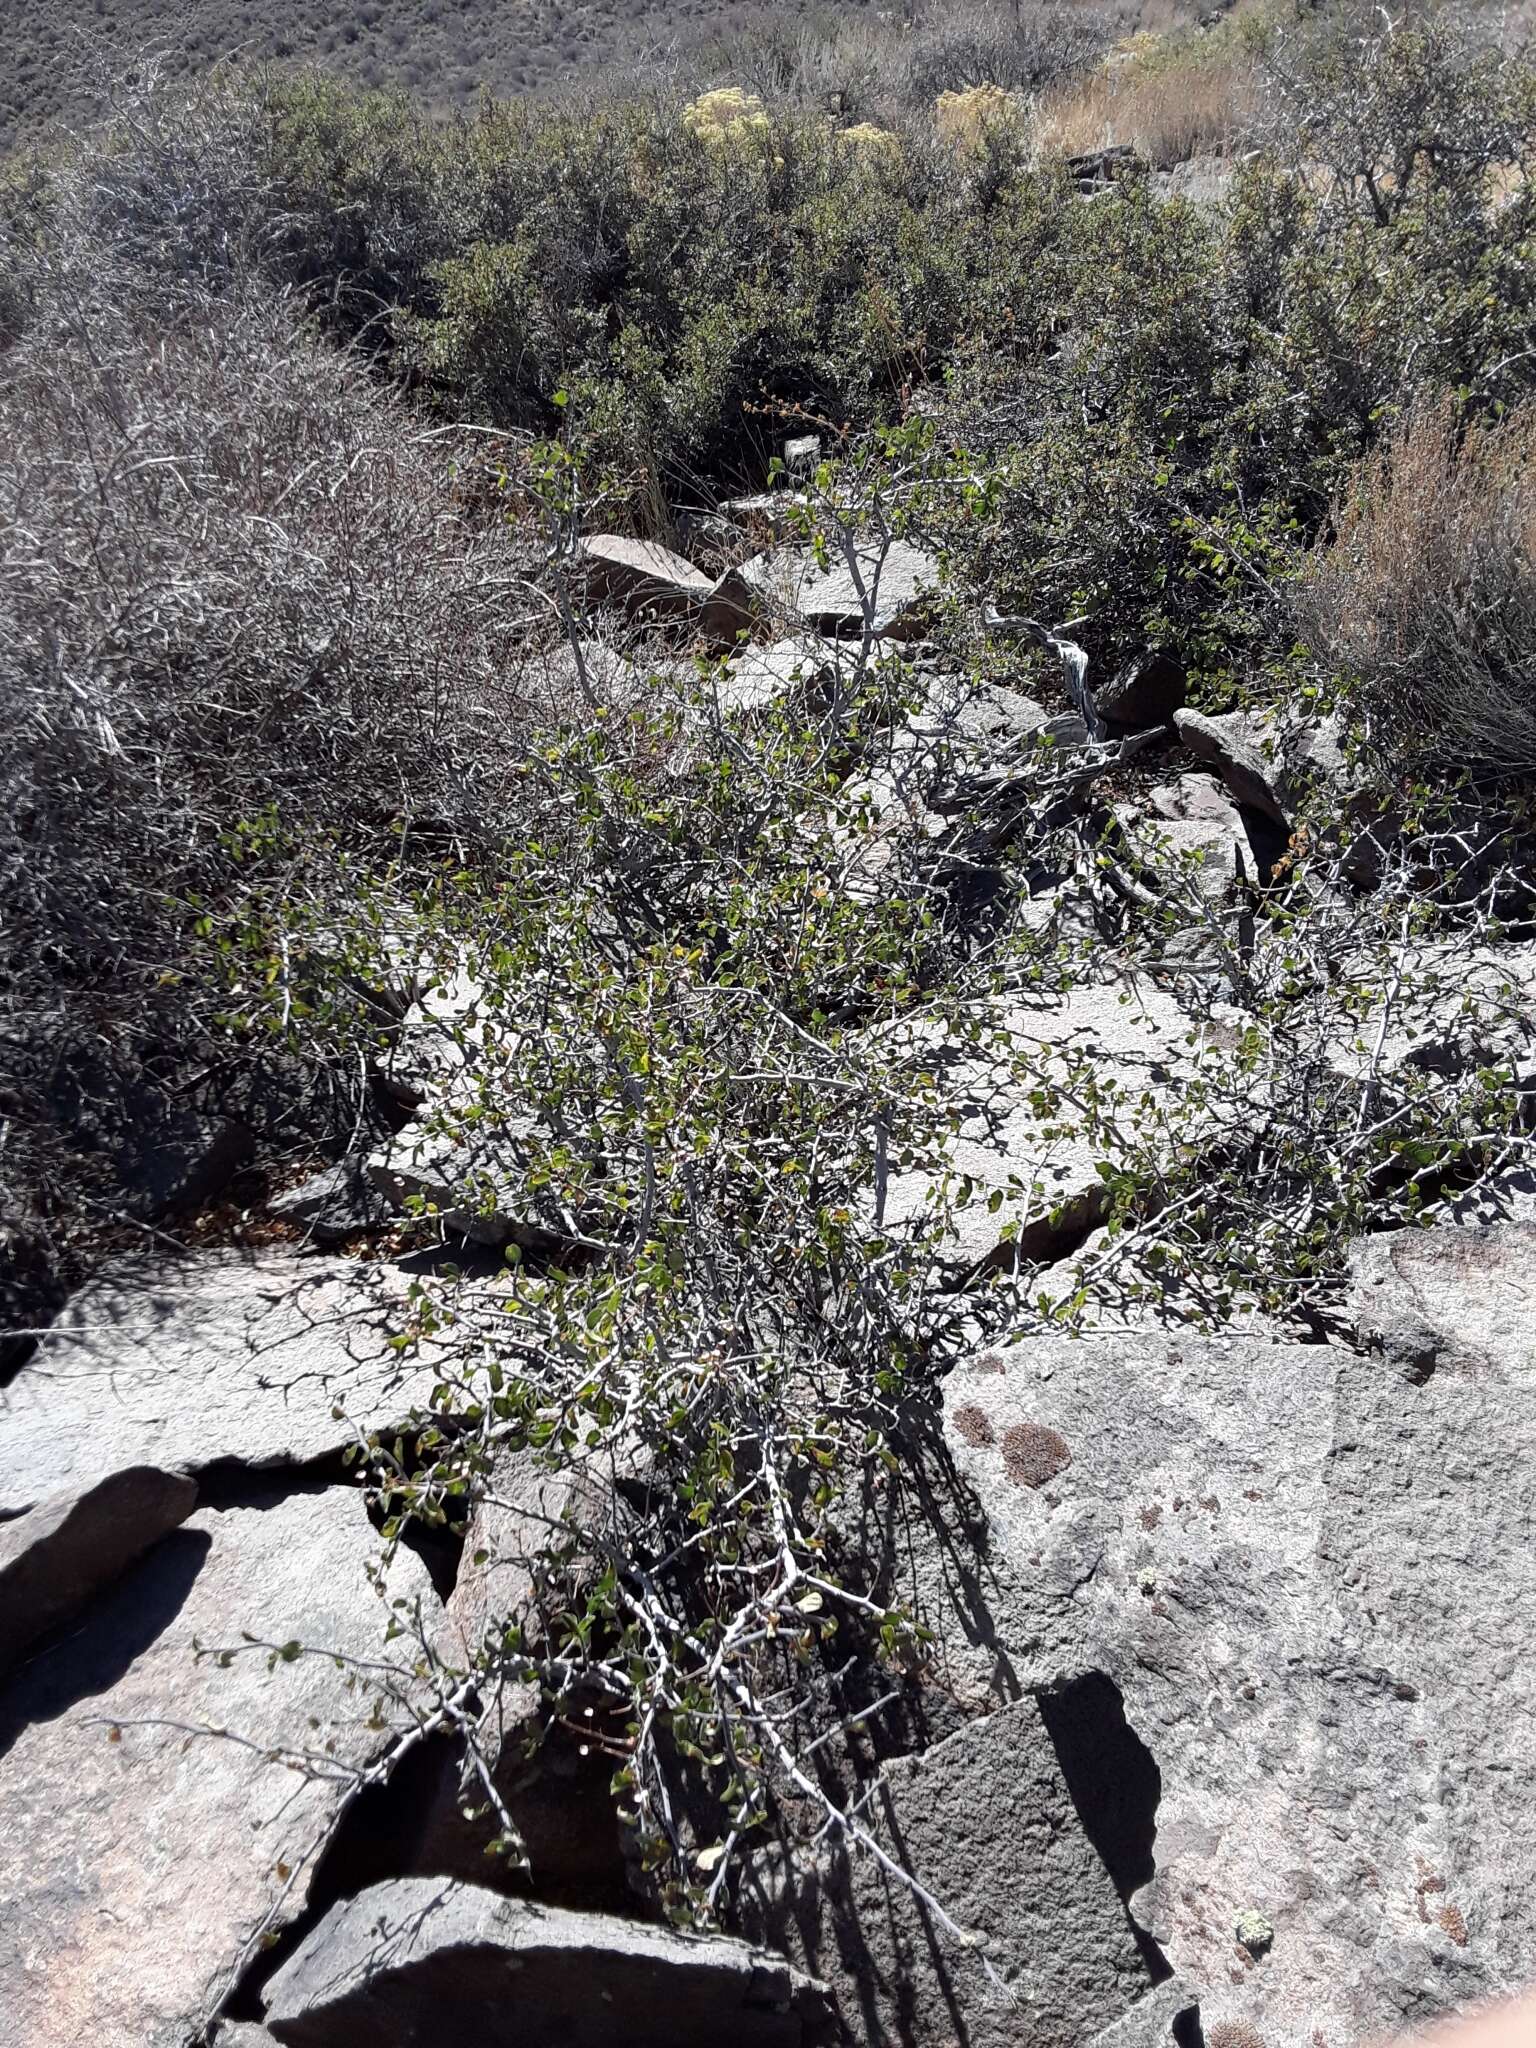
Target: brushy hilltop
<point>449,56</point>
<point>633,672</point>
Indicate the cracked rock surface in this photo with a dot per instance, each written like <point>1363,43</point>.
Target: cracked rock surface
<point>140,1867</point>
<point>1311,1581</point>
<point>224,1356</point>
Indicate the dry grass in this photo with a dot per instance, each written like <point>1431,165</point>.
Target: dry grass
<point>1191,100</point>
<point>1444,656</point>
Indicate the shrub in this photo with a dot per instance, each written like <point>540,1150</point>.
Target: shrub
<point>1425,598</point>
<point>726,118</point>
<point>970,118</point>
<point>1387,111</point>
<point>236,588</point>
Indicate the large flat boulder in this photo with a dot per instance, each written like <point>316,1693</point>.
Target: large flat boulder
<point>1310,1581</point>
<point>423,1959</point>
<point>223,1356</point>
<point>142,1867</point>
<point>989,1823</point>
<point>53,1559</point>
<point>1079,1087</point>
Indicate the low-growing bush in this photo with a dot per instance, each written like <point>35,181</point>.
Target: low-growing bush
<point>237,585</point>
<point>1425,598</point>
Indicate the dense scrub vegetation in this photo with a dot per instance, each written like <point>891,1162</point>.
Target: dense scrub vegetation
<point>450,56</point>
<point>307,403</point>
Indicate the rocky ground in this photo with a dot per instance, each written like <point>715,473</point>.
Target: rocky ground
<point>1227,1722</point>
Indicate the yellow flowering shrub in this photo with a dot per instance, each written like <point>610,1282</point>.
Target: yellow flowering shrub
<point>872,141</point>
<point>966,118</point>
<point>726,117</point>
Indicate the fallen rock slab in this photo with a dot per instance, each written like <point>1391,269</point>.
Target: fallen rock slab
<point>988,1822</point>
<point>53,1559</point>
<point>1243,752</point>
<point>422,1960</point>
<point>652,582</point>
<point>892,589</point>
<point>225,1356</point>
<point>140,1870</point>
<point>1310,1582</point>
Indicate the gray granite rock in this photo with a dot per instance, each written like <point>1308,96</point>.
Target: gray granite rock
<point>1311,1583</point>
<point>54,1558</point>
<point>1439,1007</point>
<point>985,723</point>
<point>1457,1300</point>
<point>988,1821</point>
<point>760,676</point>
<point>652,583</point>
<point>640,574</point>
<point>1194,799</point>
<point>424,1960</point>
<point>898,586</point>
<point>335,1205</point>
<point>140,1869</point>
<point>1145,692</point>
<point>1204,852</point>
<point>1243,752</point>
<point>1150,2021</point>
<point>1099,1077</point>
<point>462,1159</point>
<point>223,1356</point>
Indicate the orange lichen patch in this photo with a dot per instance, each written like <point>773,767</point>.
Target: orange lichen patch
<point>1450,1918</point>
